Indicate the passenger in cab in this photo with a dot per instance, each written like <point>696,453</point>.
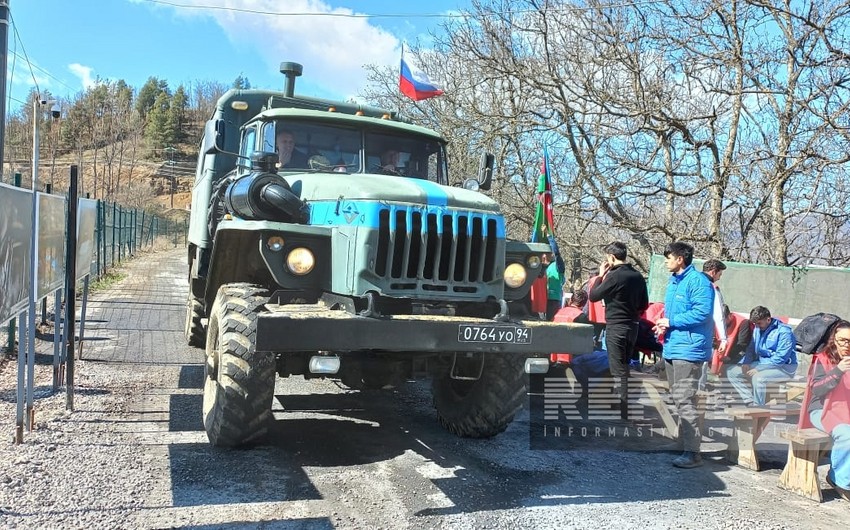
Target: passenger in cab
<point>390,162</point>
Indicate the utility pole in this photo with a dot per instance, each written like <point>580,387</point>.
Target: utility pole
<point>4,51</point>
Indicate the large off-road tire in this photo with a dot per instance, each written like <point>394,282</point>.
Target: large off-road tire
<point>196,335</point>
<point>485,407</point>
<point>239,382</point>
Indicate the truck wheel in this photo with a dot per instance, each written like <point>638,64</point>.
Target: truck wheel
<point>195,333</point>
<point>485,407</point>
<point>239,382</point>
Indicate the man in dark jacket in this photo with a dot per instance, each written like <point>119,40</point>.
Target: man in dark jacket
<point>623,290</point>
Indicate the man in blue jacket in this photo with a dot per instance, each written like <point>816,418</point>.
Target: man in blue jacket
<point>688,330</point>
<point>771,357</point>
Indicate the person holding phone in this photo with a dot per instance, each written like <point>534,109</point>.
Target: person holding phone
<point>829,404</point>
<point>623,290</point>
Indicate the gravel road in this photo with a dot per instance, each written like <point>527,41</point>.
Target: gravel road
<point>133,453</point>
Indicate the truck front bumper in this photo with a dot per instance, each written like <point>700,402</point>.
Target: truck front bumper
<point>311,328</point>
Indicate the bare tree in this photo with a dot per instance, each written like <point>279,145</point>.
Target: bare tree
<point>667,120</point>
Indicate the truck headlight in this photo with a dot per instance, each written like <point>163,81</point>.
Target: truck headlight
<point>515,275</point>
<point>533,261</point>
<point>300,261</point>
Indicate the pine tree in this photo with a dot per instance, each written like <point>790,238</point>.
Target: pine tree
<point>157,132</point>
<point>241,83</point>
<point>148,94</point>
<point>177,115</point>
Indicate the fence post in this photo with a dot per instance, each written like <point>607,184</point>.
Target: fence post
<point>120,233</point>
<point>131,233</point>
<point>142,233</point>
<point>114,216</point>
<point>17,180</point>
<point>97,239</point>
<point>103,211</point>
<point>135,228</point>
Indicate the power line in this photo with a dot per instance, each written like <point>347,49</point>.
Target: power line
<point>11,76</point>
<point>48,74</point>
<point>393,15</point>
<point>25,57</point>
<point>32,66</point>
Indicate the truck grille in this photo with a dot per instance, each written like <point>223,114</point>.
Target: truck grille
<point>436,251</point>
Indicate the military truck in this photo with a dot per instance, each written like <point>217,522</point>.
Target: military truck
<point>325,241</point>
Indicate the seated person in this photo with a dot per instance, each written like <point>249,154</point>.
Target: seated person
<point>573,311</point>
<point>739,333</point>
<point>771,357</point>
<point>827,404</point>
<point>646,341</point>
<point>589,365</point>
<point>289,156</point>
<point>390,162</point>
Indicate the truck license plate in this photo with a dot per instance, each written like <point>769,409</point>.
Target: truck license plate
<point>494,334</point>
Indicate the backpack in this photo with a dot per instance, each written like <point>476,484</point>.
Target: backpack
<point>813,331</point>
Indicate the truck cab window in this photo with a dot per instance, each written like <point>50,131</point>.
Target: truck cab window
<point>249,137</point>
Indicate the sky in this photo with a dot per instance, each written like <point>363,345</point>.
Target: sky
<point>72,44</point>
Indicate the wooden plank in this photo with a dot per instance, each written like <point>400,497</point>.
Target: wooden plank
<point>748,412</point>
<point>806,437</point>
<point>796,389</point>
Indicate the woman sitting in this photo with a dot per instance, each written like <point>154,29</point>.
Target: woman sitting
<point>829,403</point>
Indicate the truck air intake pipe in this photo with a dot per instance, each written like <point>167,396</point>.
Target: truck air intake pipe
<point>291,71</point>
<point>263,195</point>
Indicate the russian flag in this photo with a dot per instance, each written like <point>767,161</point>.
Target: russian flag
<point>414,83</point>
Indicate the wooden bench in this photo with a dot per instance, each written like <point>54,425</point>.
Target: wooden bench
<point>800,475</point>
<point>794,390</point>
<point>784,392</point>
<point>749,424</point>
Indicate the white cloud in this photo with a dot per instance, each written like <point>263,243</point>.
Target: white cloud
<point>84,73</point>
<point>332,49</point>
<point>28,77</point>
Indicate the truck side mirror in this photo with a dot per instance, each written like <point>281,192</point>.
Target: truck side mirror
<point>485,171</point>
<point>213,140</point>
<point>219,135</point>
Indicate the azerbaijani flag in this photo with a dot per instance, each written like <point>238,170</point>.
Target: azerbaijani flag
<point>544,216</point>
<point>415,83</point>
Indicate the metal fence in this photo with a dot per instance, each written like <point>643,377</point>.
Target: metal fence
<point>121,231</point>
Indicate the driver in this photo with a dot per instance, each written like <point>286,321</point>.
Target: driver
<point>287,154</point>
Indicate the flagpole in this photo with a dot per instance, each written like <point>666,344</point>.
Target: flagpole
<point>398,101</point>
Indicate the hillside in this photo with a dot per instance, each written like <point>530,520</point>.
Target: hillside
<point>133,181</point>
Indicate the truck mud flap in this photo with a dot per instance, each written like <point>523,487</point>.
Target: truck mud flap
<point>308,328</point>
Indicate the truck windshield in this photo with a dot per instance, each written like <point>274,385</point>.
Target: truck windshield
<point>319,147</point>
